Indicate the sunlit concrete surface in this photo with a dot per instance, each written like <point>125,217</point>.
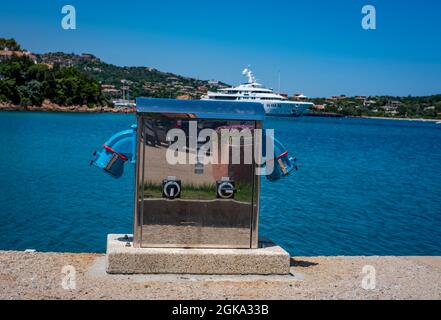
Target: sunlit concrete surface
<point>39,276</point>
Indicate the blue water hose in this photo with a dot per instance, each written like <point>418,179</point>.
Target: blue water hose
<point>121,148</point>
<point>118,150</point>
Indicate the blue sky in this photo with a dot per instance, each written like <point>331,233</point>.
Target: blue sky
<point>318,46</point>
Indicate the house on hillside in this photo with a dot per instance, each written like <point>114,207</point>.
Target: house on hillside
<point>8,54</point>
<point>110,89</point>
<point>368,103</point>
<point>319,107</point>
<point>299,97</point>
<point>392,107</point>
<point>89,57</point>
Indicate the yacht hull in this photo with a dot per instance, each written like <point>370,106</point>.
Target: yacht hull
<point>287,109</point>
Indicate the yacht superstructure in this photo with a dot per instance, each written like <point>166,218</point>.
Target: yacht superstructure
<point>252,91</point>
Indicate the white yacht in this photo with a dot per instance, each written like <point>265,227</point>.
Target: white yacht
<point>274,104</point>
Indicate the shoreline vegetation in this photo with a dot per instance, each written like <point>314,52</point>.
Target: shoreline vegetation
<point>48,106</point>
<point>61,82</point>
<point>338,115</point>
<point>387,107</point>
<point>399,119</point>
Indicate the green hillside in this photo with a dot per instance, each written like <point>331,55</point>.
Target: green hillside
<point>22,82</point>
<point>381,106</point>
<point>69,79</point>
<point>142,81</point>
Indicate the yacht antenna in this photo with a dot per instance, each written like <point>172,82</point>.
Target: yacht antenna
<point>279,82</point>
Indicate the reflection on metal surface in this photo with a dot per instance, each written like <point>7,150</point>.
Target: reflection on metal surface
<point>196,223</point>
<point>198,168</point>
<point>194,205</point>
<point>200,109</point>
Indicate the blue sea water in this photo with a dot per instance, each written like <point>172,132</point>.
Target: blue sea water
<point>364,186</point>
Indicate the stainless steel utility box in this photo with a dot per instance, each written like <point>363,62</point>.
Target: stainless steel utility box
<point>195,204</point>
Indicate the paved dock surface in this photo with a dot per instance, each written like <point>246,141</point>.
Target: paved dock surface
<point>40,276</point>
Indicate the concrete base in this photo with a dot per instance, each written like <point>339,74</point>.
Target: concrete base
<point>123,258</point>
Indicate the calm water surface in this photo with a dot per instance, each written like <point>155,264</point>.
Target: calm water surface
<point>364,187</point>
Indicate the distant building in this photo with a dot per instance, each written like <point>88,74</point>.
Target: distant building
<point>319,107</point>
<point>173,80</point>
<point>299,96</point>
<point>213,82</point>
<point>395,104</point>
<point>368,103</point>
<point>89,57</point>
<point>391,107</point>
<point>184,97</point>
<point>108,88</point>
<point>336,98</point>
<point>8,54</point>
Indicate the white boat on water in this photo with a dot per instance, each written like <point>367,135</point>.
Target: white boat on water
<point>252,91</point>
<point>124,103</point>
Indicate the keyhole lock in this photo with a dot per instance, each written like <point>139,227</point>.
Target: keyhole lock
<point>171,188</point>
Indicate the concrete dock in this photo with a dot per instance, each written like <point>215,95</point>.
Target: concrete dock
<point>123,258</point>
<point>27,275</point>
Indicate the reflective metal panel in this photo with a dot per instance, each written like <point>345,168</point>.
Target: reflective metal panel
<point>139,194</point>
<point>202,109</point>
<point>194,204</point>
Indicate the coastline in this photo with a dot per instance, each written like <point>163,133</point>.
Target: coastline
<point>52,107</point>
<point>337,115</point>
<point>400,119</point>
<point>27,275</point>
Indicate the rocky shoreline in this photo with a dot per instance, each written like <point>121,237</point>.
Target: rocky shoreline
<point>28,275</point>
<point>401,119</point>
<point>48,106</point>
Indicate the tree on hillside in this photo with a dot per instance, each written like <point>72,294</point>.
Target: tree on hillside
<point>15,68</point>
<point>38,72</point>
<point>9,44</point>
<point>23,82</point>
<point>9,92</point>
<point>31,93</point>
<point>74,87</point>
